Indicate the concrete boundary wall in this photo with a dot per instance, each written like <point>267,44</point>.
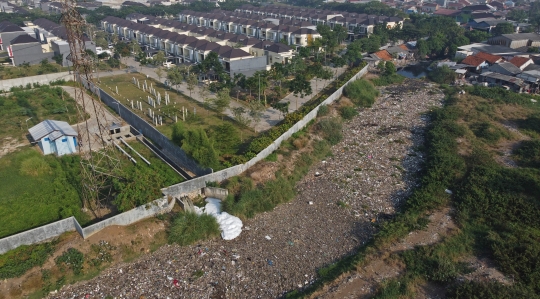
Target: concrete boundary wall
<point>161,205</point>
<point>7,84</point>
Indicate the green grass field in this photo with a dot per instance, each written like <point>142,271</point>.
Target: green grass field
<point>36,189</point>
<point>38,104</point>
<point>204,118</point>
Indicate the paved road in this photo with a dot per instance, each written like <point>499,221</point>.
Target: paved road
<point>89,130</point>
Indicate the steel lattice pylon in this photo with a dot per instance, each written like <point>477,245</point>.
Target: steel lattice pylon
<point>99,162</point>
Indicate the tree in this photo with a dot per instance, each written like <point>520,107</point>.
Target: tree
<point>277,74</point>
<point>319,72</point>
<point>340,33</point>
<point>476,36</point>
<point>191,81</point>
<point>256,111</point>
<point>174,76</point>
<point>240,117</point>
<point>300,86</point>
<point>159,58</point>
<point>303,52</point>
<point>503,28</point>
<point>389,68</point>
<point>160,73</point>
<point>222,101</point>
<point>442,75</point>
<point>197,144</point>
<point>381,66</point>
<point>283,108</point>
<point>517,15</point>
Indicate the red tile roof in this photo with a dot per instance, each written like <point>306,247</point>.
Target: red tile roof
<point>489,57</point>
<point>473,60</point>
<point>384,55</point>
<point>404,47</point>
<point>519,61</point>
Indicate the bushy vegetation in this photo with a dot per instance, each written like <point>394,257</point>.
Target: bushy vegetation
<point>348,112</point>
<point>442,75</point>
<point>331,130</point>
<point>246,200</point>
<point>16,262</point>
<point>361,92</point>
<point>528,153</point>
<point>388,74</point>
<point>72,259</point>
<point>142,183</point>
<point>188,228</point>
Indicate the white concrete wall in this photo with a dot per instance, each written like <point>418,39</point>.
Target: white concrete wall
<point>6,85</point>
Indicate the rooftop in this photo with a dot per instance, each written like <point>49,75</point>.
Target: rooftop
<point>54,128</point>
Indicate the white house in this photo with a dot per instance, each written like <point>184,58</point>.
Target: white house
<point>54,136</point>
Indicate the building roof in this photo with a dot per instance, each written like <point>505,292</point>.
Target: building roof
<point>7,26</point>
<point>502,77</point>
<point>473,60</point>
<point>54,128</point>
<point>509,67</point>
<point>519,61</point>
<point>23,39</point>
<point>384,55</point>
<point>522,36</point>
<point>488,57</point>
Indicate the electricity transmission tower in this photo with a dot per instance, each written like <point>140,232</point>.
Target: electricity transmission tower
<point>99,162</point>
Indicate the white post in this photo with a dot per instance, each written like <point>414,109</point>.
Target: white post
<point>175,118</point>
<point>131,105</point>
<point>116,89</point>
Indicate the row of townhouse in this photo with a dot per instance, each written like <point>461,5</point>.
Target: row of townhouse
<point>296,33</point>
<point>279,53</point>
<point>184,44</point>
<point>355,23</point>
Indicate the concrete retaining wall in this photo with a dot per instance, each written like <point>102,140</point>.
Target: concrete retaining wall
<point>160,205</point>
<point>218,193</point>
<point>6,85</point>
<point>38,234</point>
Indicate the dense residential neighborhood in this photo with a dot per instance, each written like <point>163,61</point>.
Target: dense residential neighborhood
<point>287,149</point>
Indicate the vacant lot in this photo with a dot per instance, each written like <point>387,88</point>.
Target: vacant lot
<point>12,72</point>
<point>197,115</point>
<point>36,105</point>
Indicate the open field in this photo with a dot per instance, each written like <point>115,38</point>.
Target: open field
<point>198,115</point>
<point>37,189</point>
<point>38,104</point>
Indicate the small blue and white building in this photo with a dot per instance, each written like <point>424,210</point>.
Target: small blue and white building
<point>54,136</point>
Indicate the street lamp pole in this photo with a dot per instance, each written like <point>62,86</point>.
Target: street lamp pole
<point>259,88</point>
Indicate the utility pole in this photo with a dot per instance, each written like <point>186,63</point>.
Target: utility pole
<point>259,88</point>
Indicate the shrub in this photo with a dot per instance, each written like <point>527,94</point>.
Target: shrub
<point>528,153</point>
<point>73,259</point>
<point>331,130</point>
<point>442,75</point>
<point>323,110</point>
<point>348,112</point>
<point>388,79</point>
<point>361,92</point>
<point>16,262</point>
<point>188,228</point>
<point>488,132</point>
